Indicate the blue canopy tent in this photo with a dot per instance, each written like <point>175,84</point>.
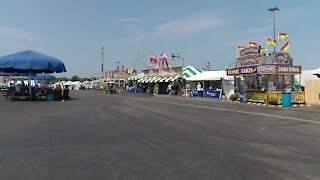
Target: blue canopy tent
<point>31,62</point>
<point>34,76</point>
<point>43,77</point>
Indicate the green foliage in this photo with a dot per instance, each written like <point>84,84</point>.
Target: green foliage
<point>256,97</point>
<point>61,79</point>
<point>234,97</point>
<point>75,78</point>
<point>273,101</point>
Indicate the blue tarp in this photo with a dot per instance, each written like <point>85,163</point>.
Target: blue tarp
<point>31,61</point>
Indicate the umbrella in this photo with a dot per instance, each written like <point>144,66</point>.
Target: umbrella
<point>31,62</point>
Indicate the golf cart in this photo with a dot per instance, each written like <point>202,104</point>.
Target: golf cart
<point>110,88</point>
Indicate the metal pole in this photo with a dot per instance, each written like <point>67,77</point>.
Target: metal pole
<point>274,29</point>
<point>102,49</point>
<point>182,62</point>
<point>273,10</point>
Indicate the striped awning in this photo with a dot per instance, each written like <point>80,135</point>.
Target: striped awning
<point>136,77</point>
<point>190,71</point>
<point>175,78</point>
<point>156,79</point>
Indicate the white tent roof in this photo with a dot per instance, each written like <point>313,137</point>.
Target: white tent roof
<point>316,71</point>
<point>305,75</point>
<point>210,76</point>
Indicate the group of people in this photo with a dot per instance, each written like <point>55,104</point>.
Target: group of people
<point>188,90</point>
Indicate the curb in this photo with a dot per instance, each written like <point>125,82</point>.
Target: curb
<point>263,104</point>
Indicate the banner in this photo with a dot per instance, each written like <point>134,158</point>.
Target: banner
<point>281,58</point>
<point>249,50</point>
<point>266,69</point>
<point>289,69</point>
<point>250,59</point>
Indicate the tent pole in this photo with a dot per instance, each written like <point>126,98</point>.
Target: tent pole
<point>30,94</point>
<point>203,89</point>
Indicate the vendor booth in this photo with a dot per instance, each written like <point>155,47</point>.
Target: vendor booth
<point>148,79</point>
<point>266,77</point>
<point>214,83</point>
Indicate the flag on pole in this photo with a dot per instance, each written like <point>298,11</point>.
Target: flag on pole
<point>283,36</point>
<point>239,48</point>
<point>175,55</point>
<point>271,42</point>
<point>252,44</point>
<point>263,50</point>
<point>153,60</point>
<point>285,47</point>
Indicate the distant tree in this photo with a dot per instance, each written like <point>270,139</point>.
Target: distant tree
<point>75,78</point>
<point>61,79</point>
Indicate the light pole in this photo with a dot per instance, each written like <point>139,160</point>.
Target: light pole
<point>274,24</point>
<point>102,70</point>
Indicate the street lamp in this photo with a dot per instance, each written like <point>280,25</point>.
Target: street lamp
<point>274,23</point>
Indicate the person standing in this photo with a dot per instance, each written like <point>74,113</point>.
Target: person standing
<point>188,90</point>
<point>199,89</point>
<point>169,89</point>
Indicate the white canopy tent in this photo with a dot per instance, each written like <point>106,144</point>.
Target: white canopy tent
<point>227,81</point>
<point>316,72</point>
<point>305,75</point>
<point>210,76</point>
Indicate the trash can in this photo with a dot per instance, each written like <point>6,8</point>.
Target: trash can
<point>243,96</point>
<point>286,99</point>
<point>50,97</point>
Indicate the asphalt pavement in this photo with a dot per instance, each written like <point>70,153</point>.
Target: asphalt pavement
<point>136,136</point>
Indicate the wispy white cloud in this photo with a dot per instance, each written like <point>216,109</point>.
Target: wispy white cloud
<point>189,25</point>
<point>291,14</point>
<point>128,20</point>
<point>184,26</point>
<point>18,34</point>
<point>260,30</point>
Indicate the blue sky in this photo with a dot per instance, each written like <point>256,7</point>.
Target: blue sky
<point>201,31</point>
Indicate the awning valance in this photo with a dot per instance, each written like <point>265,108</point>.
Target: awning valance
<point>158,79</point>
<point>136,77</point>
<point>210,76</point>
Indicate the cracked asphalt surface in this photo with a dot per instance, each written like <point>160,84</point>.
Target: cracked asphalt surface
<point>138,136</point>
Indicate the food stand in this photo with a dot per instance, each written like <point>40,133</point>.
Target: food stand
<point>261,77</point>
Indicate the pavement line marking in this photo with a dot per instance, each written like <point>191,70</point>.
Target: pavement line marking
<point>230,110</point>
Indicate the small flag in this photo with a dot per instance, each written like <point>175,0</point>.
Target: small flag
<point>252,44</point>
<point>239,48</point>
<point>283,36</point>
<point>129,71</point>
<point>163,56</point>
<point>271,42</point>
<point>153,60</point>
<point>263,50</point>
<point>285,47</point>
<point>175,55</point>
